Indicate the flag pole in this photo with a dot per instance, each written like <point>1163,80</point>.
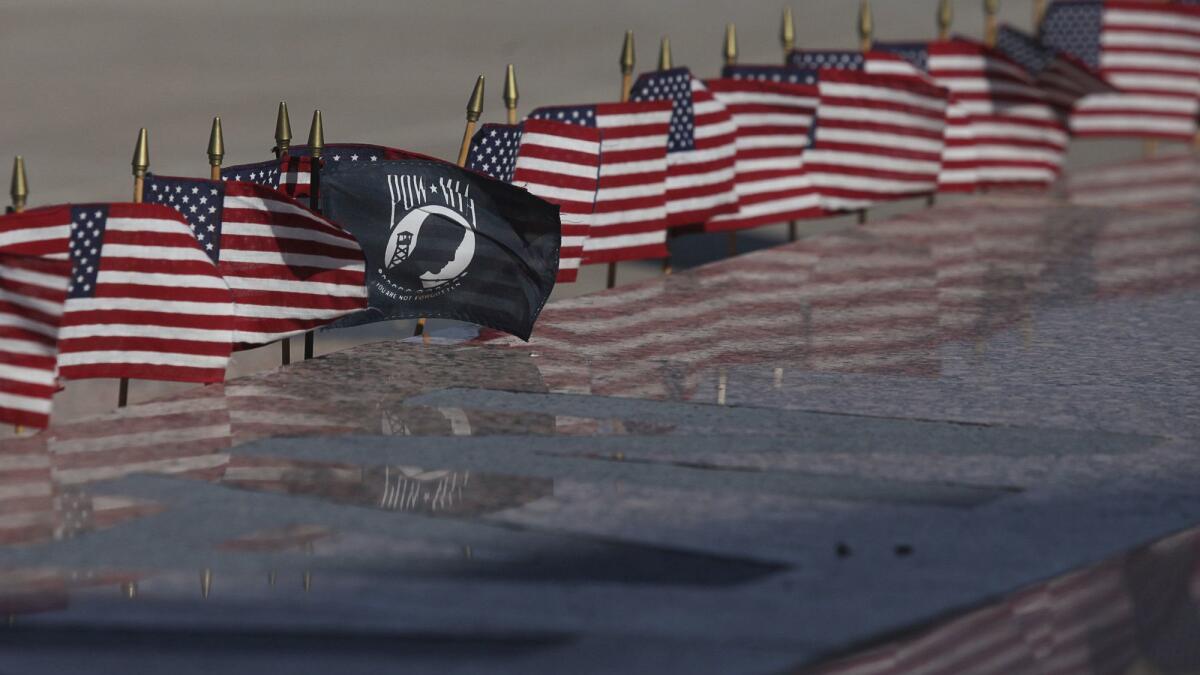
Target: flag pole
<point>626,61</point>
<point>141,165</point>
<point>729,52</point>
<point>511,95</point>
<point>19,191</point>
<point>665,63</point>
<point>283,141</point>
<point>990,8</point>
<point>474,112</point>
<point>866,30</point>
<point>216,149</point>
<point>787,38</point>
<point>1039,13</point>
<point>316,148</point>
<point>945,19</point>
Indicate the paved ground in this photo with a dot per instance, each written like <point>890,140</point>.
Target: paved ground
<point>754,466</point>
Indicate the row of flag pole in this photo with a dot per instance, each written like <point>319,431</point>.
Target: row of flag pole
<point>254,258</point>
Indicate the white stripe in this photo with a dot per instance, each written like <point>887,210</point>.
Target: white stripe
<point>552,166</point>
<point>139,305</point>
<point>147,358</point>
<point>560,142</point>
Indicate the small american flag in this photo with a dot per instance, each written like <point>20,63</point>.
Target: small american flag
<point>144,300</point>
<point>292,173</point>
<point>1149,51</point>
<point>32,293</point>
<point>878,138</point>
<point>700,149</point>
<point>773,122</point>
<point>290,270</point>
<point>555,161</point>
<point>1064,78</point>
<point>630,217</point>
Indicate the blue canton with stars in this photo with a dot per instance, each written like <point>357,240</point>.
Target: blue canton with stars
<point>1074,28</point>
<point>841,60</point>
<point>915,53</point>
<point>782,74</point>
<point>200,202</point>
<point>1023,49</point>
<point>87,236</point>
<point>673,85</point>
<point>263,173</point>
<point>341,153</point>
<point>579,115</point>
<point>494,151</point>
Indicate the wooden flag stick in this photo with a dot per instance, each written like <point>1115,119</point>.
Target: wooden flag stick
<point>787,38</point>
<point>866,33</point>
<point>283,141</point>
<point>665,63</point>
<point>729,51</point>
<point>316,148</point>
<point>1039,13</point>
<point>474,112</point>
<point>216,149</point>
<point>19,191</point>
<point>626,61</point>
<point>990,25</point>
<point>511,96</point>
<point>141,165</point>
<point>945,19</point>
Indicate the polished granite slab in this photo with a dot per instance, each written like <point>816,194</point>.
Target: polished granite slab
<point>875,450</point>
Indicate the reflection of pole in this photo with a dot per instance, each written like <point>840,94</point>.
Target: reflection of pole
<point>141,165</point>
<point>316,148</point>
<point>205,582</point>
<point>19,191</point>
<point>626,61</point>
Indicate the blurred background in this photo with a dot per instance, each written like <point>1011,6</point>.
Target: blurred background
<point>80,78</point>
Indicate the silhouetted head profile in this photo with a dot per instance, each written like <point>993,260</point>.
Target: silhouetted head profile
<point>433,248</point>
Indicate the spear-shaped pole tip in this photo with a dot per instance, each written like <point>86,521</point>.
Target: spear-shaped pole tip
<point>141,154</point>
<point>945,18</point>
<point>20,186</point>
<point>216,143</point>
<point>866,24</point>
<point>628,57</point>
<point>475,103</point>
<point>511,95</point>
<point>283,129</point>
<point>787,31</point>
<point>991,7</point>
<point>664,54</point>
<point>729,49</point>
<point>206,582</point>
<point>316,135</point>
<point>1039,13</point>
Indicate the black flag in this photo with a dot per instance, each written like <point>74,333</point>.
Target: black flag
<point>444,242</point>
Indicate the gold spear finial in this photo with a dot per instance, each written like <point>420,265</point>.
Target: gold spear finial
<point>787,31</point>
<point>475,103</point>
<point>141,154</point>
<point>945,18</point>
<point>511,95</point>
<point>628,56</point>
<point>730,48</point>
<point>316,135</point>
<point>866,26</point>
<point>20,187</point>
<point>205,582</point>
<point>664,54</point>
<point>216,147</point>
<point>283,130</point>
<point>990,8</point>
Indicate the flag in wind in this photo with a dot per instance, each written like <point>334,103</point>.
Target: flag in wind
<point>290,270</point>
<point>1150,51</point>
<point>445,242</point>
<point>32,293</point>
<point>144,301</point>
<point>629,221</point>
<point>700,148</point>
<point>1064,78</point>
<point>555,161</point>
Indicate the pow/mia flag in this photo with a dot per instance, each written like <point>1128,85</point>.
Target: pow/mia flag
<point>443,242</point>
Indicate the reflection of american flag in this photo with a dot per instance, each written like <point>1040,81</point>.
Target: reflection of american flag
<point>773,122</point>
<point>144,301</point>
<point>32,293</point>
<point>555,161</point>
<point>878,138</point>
<point>290,270</point>
<point>1159,182</point>
<point>1149,51</point>
<point>700,148</point>
<point>630,217</point>
<point>1148,252</point>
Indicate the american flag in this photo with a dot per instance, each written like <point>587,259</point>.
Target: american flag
<point>557,162</point>
<point>700,149</point>
<point>878,137</point>
<point>290,175</point>
<point>773,122</point>
<point>630,217</point>
<point>1019,138</point>
<point>144,300</point>
<point>1063,77</point>
<point>1149,51</point>
<point>1161,182</point>
<point>32,293</point>
<point>290,270</point>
